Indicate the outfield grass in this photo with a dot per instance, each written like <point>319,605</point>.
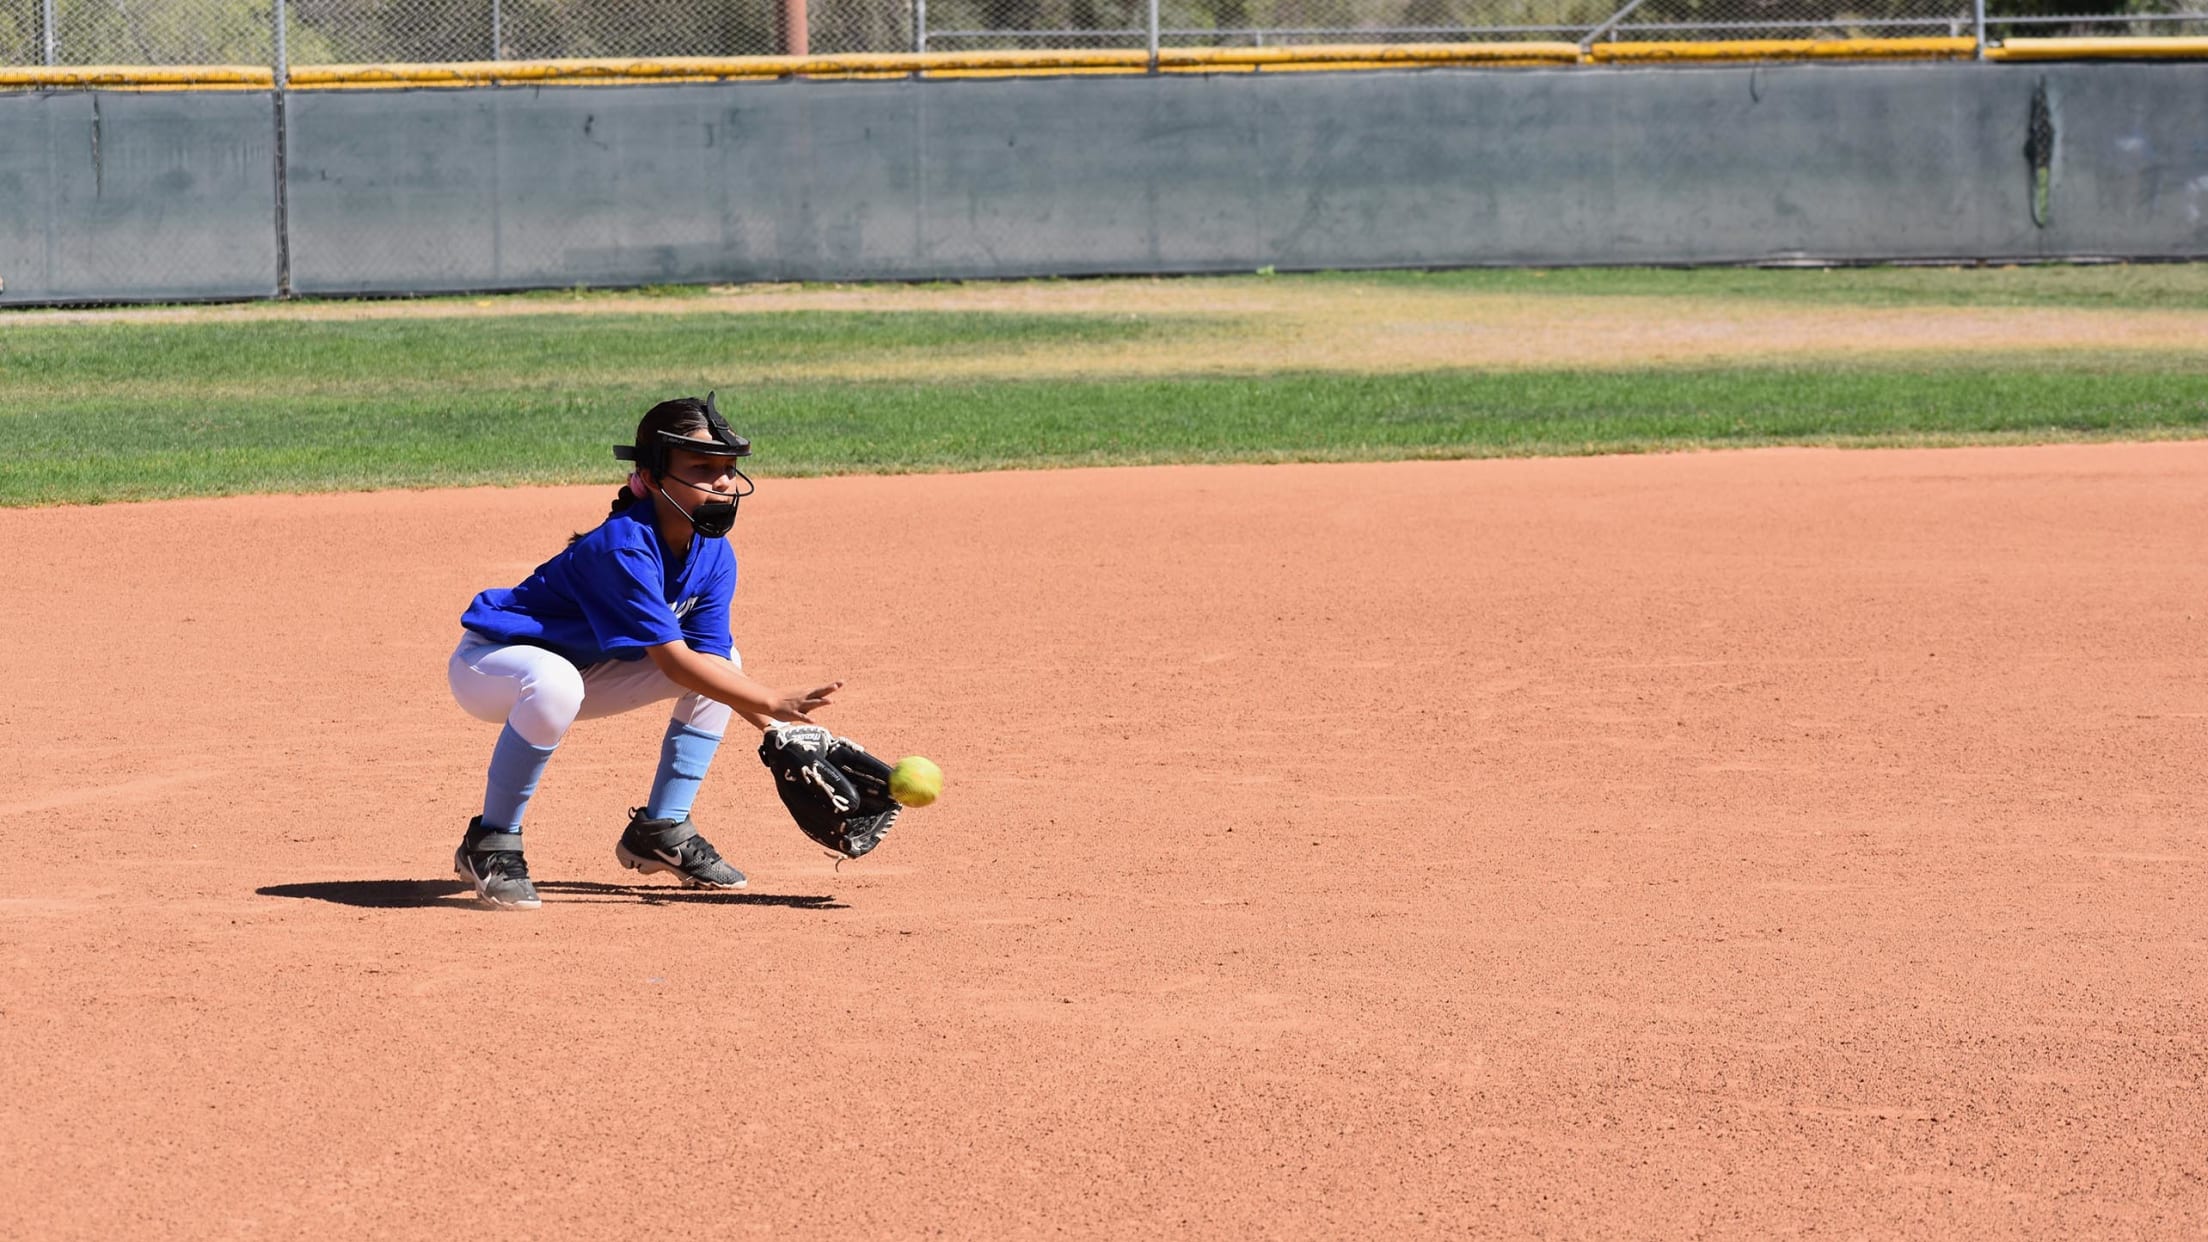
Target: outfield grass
<point>185,363</point>
<point>322,441</point>
<point>130,410</point>
<point>2113,286</point>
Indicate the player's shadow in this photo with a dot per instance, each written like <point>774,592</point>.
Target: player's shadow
<point>453,895</point>
<point>662,894</point>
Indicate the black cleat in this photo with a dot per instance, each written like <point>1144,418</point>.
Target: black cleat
<point>673,846</point>
<point>491,860</point>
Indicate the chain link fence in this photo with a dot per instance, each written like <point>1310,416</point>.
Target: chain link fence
<point>137,32</point>
<point>1658,20</point>
<point>243,32</point>
<point>2040,19</point>
<point>428,31</point>
<point>968,25</point>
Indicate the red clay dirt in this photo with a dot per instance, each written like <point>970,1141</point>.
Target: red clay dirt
<point>1787,842</point>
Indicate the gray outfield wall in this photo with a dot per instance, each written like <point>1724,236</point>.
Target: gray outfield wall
<point>492,188</point>
<point>133,196</point>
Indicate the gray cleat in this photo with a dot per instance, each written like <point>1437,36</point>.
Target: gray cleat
<point>491,860</point>
<point>673,846</point>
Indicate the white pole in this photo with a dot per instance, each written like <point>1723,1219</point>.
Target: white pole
<point>498,34</point>
<point>1153,36</point>
<point>1978,16</point>
<point>46,17</point>
<point>919,25</point>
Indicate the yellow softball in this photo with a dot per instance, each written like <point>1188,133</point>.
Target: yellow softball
<point>915,781</point>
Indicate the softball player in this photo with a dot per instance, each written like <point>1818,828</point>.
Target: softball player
<point>632,613</point>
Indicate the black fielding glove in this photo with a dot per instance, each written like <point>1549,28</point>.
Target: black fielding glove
<point>836,791</point>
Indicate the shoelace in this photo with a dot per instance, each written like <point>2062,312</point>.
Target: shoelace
<point>698,852</point>
<point>508,863</point>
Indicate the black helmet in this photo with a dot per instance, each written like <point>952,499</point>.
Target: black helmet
<point>651,453</point>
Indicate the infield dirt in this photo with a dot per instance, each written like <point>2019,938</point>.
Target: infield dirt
<point>1736,844</point>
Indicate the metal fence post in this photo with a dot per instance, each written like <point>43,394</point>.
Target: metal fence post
<point>498,33</point>
<point>1153,36</point>
<point>46,21</point>
<point>1978,25</point>
<point>796,40</point>
<point>283,198</point>
<point>919,25</point>
<point>1608,26</point>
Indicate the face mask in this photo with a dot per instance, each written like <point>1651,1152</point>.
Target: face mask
<point>712,519</point>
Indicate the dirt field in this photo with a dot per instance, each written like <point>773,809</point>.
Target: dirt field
<point>1791,842</point>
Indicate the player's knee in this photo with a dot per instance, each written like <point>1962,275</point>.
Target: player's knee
<point>704,714</point>
<point>549,702</point>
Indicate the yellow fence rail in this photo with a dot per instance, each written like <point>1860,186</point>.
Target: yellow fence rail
<point>932,64</point>
<point>1964,48</point>
<point>140,77</point>
<point>1051,63</point>
<point>2171,48</point>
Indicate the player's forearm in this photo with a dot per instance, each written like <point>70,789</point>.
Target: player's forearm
<point>715,679</point>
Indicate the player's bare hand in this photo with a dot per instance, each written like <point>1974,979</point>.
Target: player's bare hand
<point>795,706</point>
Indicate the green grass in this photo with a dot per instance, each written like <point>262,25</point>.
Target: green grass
<point>196,366</point>
<point>2113,286</point>
<point>128,409</point>
<point>97,447</point>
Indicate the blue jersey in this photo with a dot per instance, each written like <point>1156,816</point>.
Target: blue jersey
<point>615,592</point>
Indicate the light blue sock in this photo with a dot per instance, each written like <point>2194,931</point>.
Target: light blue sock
<point>684,756</point>
<point>516,766</point>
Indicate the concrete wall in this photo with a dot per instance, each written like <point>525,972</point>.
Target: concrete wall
<point>400,191</point>
<point>2130,161</point>
<point>128,196</point>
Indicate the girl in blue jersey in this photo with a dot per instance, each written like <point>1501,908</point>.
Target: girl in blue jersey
<point>632,613</point>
